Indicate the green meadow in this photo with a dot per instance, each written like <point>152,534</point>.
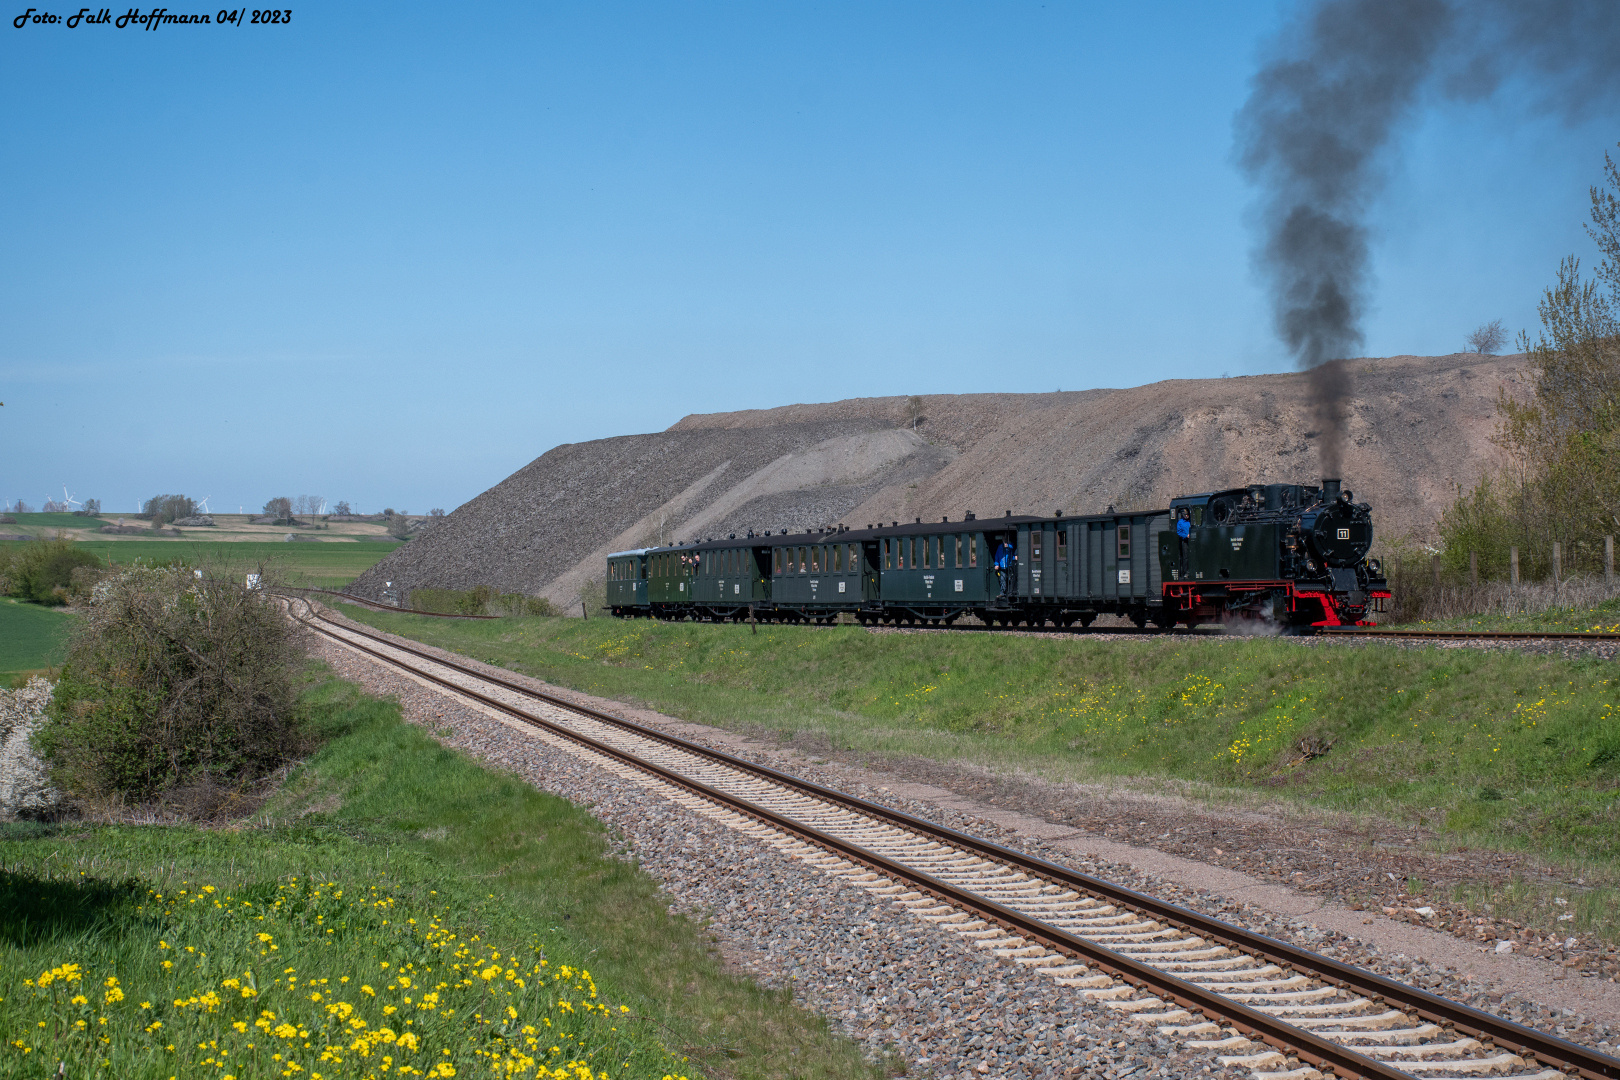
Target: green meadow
<point>319,565</point>
<point>396,905</point>
<point>32,639</point>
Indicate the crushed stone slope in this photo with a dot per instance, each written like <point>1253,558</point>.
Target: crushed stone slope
<point>1418,428</point>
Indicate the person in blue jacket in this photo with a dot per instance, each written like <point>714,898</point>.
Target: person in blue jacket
<point>1184,536</point>
<point>1004,563</point>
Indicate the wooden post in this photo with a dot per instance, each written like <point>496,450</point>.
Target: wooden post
<point>1608,560</point>
<point>753,624</point>
<point>1513,566</point>
<point>1558,572</point>
<point>582,612</point>
<point>1473,568</point>
<point>1434,565</point>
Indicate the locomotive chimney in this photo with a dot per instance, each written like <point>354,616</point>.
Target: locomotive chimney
<point>1330,490</point>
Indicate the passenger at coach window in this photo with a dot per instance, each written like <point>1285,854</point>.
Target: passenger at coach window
<point>1184,536</point>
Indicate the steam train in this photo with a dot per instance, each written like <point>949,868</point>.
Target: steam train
<point>1292,556</point>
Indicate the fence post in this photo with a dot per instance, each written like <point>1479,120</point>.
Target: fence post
<point>1473,568</point>
<point>1513,566</point>
<point>1608,560</point>
<point>1558,572</point>
<point>1434,565</point>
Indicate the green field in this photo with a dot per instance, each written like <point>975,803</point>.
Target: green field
<point>321,565</point>
<point>32,638</point>
<point>58,521</point>
<point>395,894</point>
<point>1484,749</point>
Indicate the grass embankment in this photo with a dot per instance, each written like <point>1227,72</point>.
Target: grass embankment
<point>32,639</point>
<point>397,910</point>
<point>1489,749</point>
<point>1601,617</point>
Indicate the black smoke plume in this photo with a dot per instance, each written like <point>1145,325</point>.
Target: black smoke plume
<point>1337,85</point>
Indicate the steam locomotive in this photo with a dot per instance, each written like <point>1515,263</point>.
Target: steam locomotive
<point>1291,556</point>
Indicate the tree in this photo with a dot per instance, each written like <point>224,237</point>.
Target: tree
<point>914,407</point>
<point>163,509</point>
<point>342,507</point>
<point>1566,441</point>
<point>89,508</point>
<point>437,512</point>
<point>1488,338</point>
<point>279,509</point>
<point>22,508</point>
<point>399,526</point>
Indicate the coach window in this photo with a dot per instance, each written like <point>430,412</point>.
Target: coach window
<point>927,553</point>
<point>838,558</point>
<point>854,563</point>
<point>804,561</point>
<point>1124,541</point>
<point>901,559</point>
<point>1063,545</point>
<point>939,552</point>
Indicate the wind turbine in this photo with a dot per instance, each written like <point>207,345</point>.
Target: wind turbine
<point>203,502</point>
<point>69,500</point>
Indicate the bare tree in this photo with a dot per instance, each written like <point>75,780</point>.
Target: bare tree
<point>436,512</point>
<point>342,507</point>
<point>279,509</point>
<point>1488,338</point>
<point>914,407</point>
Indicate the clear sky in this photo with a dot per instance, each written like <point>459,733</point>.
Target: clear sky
<point>391,253</point>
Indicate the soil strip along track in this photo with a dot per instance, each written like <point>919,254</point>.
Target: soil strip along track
<point>1159,963</point>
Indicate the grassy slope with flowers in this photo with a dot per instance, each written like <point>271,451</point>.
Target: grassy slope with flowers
<point>411,915</point>
<point>1484,748</point>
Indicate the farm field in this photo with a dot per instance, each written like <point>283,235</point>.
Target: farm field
<point>175,942</point>
<point>32,638</point>
<point>1503,750</point>
<point>227,528</point>
<point>326,566</point>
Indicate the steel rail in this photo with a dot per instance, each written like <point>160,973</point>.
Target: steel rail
<point>383,607</point>
<point>1548,1048</point>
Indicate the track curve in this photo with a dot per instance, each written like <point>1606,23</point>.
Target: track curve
<point>1257,1002</point>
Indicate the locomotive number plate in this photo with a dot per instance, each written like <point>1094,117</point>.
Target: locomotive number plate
<point>1344,534</point>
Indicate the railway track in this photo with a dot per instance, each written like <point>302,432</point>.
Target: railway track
<point>1326,631</point>
<point>1255,1002</point>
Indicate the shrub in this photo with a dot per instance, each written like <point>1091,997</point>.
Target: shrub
<point>43,570</point>
<point>171,679</point>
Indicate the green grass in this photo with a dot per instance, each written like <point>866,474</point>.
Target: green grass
<point>383,826</point>
<point>1493,749</point>
<point>1602,617</point>
<point>59,521</point>
<point>32,638</point>
<point>325,566</point>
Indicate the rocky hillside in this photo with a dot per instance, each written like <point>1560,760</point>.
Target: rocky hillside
<point>1419,426</point>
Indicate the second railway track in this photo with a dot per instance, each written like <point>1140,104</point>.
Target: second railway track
<point>1256,1002</point>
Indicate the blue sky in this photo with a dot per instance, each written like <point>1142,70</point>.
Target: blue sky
<point>391,253</point>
